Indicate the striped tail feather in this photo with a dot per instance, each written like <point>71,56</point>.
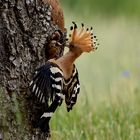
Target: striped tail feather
<point>43,124</point>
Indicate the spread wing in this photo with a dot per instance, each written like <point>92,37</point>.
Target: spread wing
<point>47,81</point>
<point>40,86</point>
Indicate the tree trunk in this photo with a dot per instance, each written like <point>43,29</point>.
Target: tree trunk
<point>26,30</point>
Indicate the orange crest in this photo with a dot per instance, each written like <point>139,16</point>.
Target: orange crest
<point>83,38</point>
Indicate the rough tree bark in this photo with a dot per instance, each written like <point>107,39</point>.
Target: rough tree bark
<point>26,30</point>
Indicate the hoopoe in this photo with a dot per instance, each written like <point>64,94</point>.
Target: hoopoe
<point>58,78</point>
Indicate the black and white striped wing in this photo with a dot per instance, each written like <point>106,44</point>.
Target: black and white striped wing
<point>73,88</point>
<point>57,82</point>
<point>47,82</point>
<point>40,86</point>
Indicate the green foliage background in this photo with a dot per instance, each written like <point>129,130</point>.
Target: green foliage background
<point>108,106</point>
<point>104,7</point>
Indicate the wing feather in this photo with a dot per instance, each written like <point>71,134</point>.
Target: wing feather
<point>40,86</point>
<point>47,80</point>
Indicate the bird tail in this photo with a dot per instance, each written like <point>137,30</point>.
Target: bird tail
<point>43,124</point>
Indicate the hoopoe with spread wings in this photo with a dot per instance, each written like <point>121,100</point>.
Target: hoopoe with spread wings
<point>58,79</point>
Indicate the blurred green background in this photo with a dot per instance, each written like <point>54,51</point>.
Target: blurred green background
<point>108,106</point>
<point>104,7</point>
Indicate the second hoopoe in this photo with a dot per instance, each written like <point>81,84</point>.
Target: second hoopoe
<point>58,78</point>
